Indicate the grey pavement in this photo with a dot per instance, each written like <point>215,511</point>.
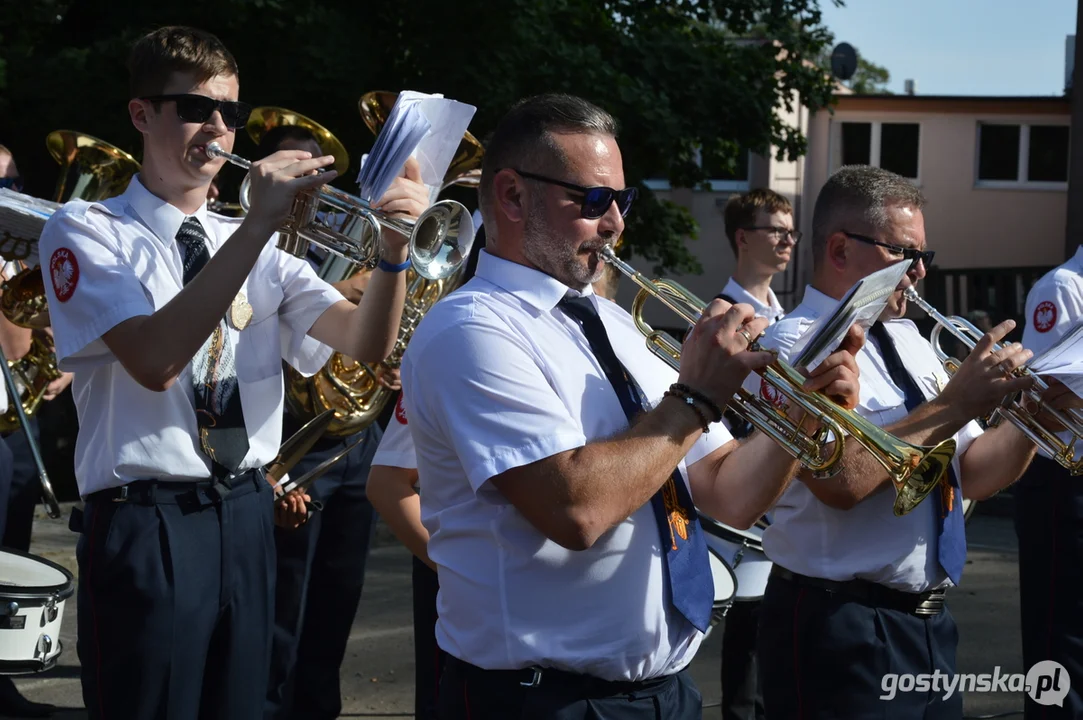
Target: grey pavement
<point>377,676</point>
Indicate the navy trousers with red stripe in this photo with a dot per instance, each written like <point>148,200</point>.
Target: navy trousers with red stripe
<point>1049,525</point>
<point>428,657</point>
<point>175,604</point>
<point>825,657</point>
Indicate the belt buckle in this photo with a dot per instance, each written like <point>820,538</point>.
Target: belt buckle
<point>535,681</point>
<point>123,496</point>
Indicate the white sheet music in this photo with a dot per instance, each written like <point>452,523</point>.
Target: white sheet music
<point>429,127</point>
<point>861,305</point>
<point>1063,360</point>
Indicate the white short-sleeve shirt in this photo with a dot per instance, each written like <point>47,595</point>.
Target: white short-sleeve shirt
<point>772,310</point>
<point>868,541</point>
<point>1054,306</point>
<point>496,377</point>
<point>106,262</point>
<point>396,448</point>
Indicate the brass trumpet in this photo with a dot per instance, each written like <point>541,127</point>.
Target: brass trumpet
<point>914,470</point>
<point>347,226</point>
<point>1015,409</point>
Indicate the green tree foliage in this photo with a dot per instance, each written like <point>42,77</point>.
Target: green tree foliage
<point>870,78</point>
<point>679,74</point>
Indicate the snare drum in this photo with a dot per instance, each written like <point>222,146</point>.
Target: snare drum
<point>725,586</point>
<point>32,595</point>
<point>742,550</point>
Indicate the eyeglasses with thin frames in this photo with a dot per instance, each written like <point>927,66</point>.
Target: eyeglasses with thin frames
<point>912,254</point>
<point>596,200</point>
<point>780,233</point>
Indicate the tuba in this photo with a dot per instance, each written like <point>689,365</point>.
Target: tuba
<point>914,470</point>
<point>350,388</point>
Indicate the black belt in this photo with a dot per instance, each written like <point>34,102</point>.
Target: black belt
<point>581,685</point>
<point>926,604</point>
<point>165,492</point>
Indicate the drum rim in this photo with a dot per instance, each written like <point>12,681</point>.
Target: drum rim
<point>727,533</point>
<point>733,575</point>
<point>62,591</point>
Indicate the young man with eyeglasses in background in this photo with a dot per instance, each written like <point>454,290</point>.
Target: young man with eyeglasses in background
<point>176,322</point>
<point>760,229</point>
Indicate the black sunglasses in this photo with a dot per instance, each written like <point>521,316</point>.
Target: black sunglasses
<point>596,200</point>
<point>925,256</point>
<point>198,108</point>
<point>14,183</point>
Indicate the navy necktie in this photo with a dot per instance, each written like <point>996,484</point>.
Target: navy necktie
<point>687,566</point>
<point>222,433</point>
<point>951,543</point>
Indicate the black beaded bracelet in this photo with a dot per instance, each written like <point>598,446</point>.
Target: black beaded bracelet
<point>690,402</point>
<point>700,397</point>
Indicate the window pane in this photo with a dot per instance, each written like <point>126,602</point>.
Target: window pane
<point>899,148</point>
<point>998,152</point>
<point>1048,161</point>
<point>856,143</point>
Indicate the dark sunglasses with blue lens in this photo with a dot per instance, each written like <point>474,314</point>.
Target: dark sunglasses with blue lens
<point>596,200</point>
<point>199,108</point>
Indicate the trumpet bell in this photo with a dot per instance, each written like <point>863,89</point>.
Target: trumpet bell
<point>931,469</point>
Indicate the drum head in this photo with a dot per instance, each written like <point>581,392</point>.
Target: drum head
<point>725,582</point>
<point>25,575</point>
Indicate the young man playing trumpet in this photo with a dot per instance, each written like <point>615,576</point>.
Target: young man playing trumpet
<point>175,322</point>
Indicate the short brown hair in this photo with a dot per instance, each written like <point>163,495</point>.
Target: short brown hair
<point>856,199</point>
<point>741,210</point>
<point>176,49</point>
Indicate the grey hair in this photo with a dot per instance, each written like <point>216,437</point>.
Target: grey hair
<point>856,198</point>
<point>524,139</point>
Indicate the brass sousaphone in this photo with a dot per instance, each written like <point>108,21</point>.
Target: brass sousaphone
<point>349,387</point>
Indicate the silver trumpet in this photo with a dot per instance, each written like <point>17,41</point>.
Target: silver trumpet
<point>1021,410</point>
<point>347,226</point>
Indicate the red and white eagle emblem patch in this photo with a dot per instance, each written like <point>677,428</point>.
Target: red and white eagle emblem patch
<point>772,394</point>
<point>64,272</point>
<point>1045,316</point>
<point>400,411</point>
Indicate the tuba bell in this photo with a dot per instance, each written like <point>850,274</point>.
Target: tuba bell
<point>350,388</point>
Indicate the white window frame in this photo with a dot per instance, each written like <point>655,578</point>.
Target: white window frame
<point>1021,182</point>
<point>835,153</point>
<point>657,184</point>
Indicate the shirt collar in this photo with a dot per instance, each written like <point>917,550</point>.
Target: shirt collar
<point>737,291</point>
<point>817,302</point>
<point>533,287</point>
<point>161,218</point>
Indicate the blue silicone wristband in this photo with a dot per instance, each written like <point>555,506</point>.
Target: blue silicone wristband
<point>388,267</point>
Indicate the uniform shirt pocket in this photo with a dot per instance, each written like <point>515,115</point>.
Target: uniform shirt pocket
<point>258,353</point>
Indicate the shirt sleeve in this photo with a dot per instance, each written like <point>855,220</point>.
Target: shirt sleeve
<point>493,416</point>
<point>1053,308</point>
<point>396,448</point>
<point>305,298</point>
<point>89,285</point>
